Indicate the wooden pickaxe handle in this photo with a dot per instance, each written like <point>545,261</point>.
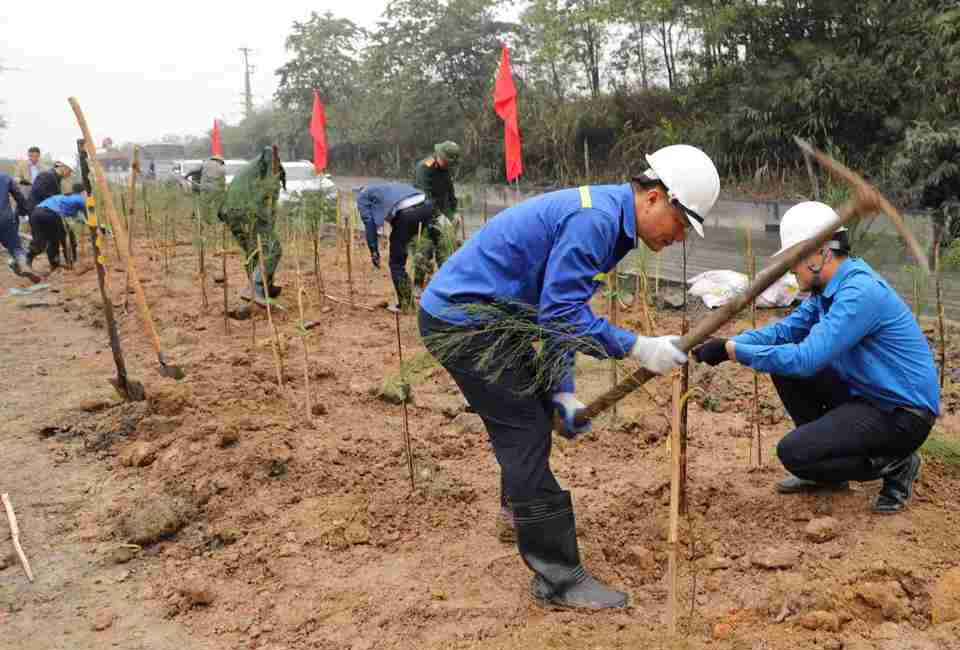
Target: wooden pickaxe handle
<point>866,199</point>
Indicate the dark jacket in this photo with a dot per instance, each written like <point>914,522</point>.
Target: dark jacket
<point>437,185</point>
<point>47,184</point>
<point>376,203</point>
<point>8,188</point>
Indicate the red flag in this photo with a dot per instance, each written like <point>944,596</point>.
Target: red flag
<point>505,103</point>
<point>318,130</point>
<point>216,144</point>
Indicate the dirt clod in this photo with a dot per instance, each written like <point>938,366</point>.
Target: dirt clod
<point>101,621</point>
<point>776,558</point>
<point>356,533</point>
<point>945,599</point>
<point>821,620</point>
<point>888,597</point>
<point>196,593</point>
<point>149,522</point>
<point>140,454</point>
<point>822,529</point>
<point>122,554</point>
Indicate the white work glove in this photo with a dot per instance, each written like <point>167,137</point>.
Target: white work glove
<point>658,354</point>
<point>444,221</point>
<point>567,405</point>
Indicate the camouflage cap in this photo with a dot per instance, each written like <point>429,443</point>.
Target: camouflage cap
<point>448,151</point>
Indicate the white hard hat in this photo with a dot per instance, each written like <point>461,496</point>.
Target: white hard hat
<point>691,180</point>
<point>803,221</point>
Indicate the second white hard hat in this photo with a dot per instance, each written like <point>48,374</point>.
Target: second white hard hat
<point>803,221</point>
<point>691,179</point>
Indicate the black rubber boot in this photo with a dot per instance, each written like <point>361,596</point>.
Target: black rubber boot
<point>898,479</point>
<point>547,540</point>
<point>794,485</point>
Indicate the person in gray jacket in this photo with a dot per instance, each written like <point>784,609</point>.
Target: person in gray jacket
<point>409,212</point>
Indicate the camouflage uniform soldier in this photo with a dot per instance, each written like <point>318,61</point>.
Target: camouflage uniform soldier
<point>433,177</point>
<point>249,209</point>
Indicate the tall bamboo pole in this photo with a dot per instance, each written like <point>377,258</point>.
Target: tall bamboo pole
<point>277,355</point>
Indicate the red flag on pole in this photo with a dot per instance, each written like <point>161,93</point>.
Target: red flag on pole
<point>216,144</point>
<point>318,130</point>
<point>505,103</point>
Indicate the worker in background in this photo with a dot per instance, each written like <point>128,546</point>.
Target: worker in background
<point>10,226</point>
<point>50,183</point>
<point>541,258</point>
<point>49,225</point>
<point>28,170</point>
<point>408,211</point>
<point>249,209</point>
<point>851,366</point>
<point>210,181</point>
<point>433,178</point>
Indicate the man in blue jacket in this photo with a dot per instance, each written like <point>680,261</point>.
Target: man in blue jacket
<point>10,226</point>
<point>48,228</point>
<point>539,260</point>
<point>409,213</point>
<point>852,367</point>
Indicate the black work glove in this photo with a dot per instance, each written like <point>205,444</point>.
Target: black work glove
<point>375,258</point>
<point>712,353</point>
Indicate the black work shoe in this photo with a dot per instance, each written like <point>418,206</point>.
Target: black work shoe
<point>898,479</point>
<point>506,529</point>
<point>794,485</point>
<point>547,540</point>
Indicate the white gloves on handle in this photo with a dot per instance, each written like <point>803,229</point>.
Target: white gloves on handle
<point>567,405</point>
<point>658,354</point>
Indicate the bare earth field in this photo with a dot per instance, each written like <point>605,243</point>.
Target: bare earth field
<point>218,515</point>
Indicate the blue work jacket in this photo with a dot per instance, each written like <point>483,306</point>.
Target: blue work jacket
<point>66,205</point>
<point>544,254</point>
<point>861,328</point>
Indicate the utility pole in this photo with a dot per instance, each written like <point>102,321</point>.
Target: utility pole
<point>247,92</point>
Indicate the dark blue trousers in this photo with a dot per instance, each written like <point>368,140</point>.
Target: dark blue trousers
<point>519,425</point>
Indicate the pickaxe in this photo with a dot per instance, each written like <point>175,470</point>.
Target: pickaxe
<point>866,200</point>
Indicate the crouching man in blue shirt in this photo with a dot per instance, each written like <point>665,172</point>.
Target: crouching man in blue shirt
<point>409,212</point>
<point>852,368</point>
<point>539,261</point>
<point>48,226</point>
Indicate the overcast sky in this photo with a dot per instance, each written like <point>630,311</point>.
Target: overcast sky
<point>140,69</point>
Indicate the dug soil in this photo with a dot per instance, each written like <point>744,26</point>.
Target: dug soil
<point>222,513</point>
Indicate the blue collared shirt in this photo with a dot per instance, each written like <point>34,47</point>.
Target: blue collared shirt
<point>66,205</point>
<point>860,327</point>
<point>544,253</point>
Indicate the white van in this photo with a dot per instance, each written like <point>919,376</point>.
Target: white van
<point>302,178</point>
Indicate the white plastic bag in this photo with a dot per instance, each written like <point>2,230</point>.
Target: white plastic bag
<point>717,288</point>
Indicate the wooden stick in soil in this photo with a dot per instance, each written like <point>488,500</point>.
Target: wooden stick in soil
<point>684,387</point>
<point>866,199</point>
<point>301,326</point>
<point>15,535</point>
<point>321,290</point>
<point>407,445</point>
<point>756,459</point>
<point>167,370</point>
<point>613,307</point>
<point>348,236</point>
<point>223,270</point>
<point>676,480</point>
<point>277,356</point>
<point>941,329</point>
<point>131,220</point>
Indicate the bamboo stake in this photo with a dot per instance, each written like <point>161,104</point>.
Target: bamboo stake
<point>684,388</point>
<point>613,306</point>
<point>131,218</point>
<point>348,236</point>
<point>302,328</point>
<point>15,535</point>
<point>756,458</point>
<point>223,270</point>
<point>408,446</point>
<point>277,356</point>
<point>676,480</point>
<point>941,329</point>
